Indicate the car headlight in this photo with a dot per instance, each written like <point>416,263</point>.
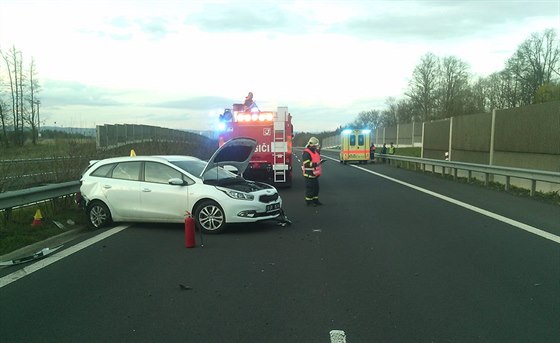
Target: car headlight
<point>237,195</point>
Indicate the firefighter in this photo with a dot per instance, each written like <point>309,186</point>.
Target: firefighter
<point>311,168</point>
<point>249,103</point>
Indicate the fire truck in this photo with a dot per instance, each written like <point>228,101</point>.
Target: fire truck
<point>273,131</point>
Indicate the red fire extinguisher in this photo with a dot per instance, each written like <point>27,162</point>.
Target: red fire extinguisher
<point>189,231</point>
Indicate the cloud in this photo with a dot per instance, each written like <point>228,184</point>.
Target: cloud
<point>246,17</point>
<point>165,119</point>
<point>65,93</point>
<point>201,103</point>
<point>439,20</point>
<point>125,28</point>
<point>154,27</point>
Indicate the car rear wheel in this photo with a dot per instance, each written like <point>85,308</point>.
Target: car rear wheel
<point>210,217</point>
<point>98,214</point>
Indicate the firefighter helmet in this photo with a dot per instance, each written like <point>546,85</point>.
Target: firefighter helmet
<point>313,141</point>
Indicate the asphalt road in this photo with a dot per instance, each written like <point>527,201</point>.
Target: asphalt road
<point>380,260</point>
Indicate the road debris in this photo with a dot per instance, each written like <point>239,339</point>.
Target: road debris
<point>38,255</point>
<point>59,225</point>
<point>185,288</point>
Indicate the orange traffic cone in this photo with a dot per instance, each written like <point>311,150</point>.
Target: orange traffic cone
<point>37,218</point>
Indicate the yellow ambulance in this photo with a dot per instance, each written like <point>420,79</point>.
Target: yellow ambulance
<point>354,145</point>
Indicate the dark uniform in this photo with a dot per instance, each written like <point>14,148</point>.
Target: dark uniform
<point>248,104</point>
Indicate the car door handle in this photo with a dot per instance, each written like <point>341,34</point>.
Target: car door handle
<point>107,186</point>
<point>146,190</point>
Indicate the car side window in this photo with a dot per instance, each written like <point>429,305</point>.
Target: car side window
<point>160,173</point>
<point>127,171</point>
<point>103,171</point>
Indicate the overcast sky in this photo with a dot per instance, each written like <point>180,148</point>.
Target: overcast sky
<point>178,64</point>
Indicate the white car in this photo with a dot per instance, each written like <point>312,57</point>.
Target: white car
<point>167,188</point>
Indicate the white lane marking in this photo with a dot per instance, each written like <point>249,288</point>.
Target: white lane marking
<point>520,225</point>
<point>338,336</point>
<point>6,280</point>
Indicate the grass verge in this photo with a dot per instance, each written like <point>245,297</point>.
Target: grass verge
<point>18,230</point>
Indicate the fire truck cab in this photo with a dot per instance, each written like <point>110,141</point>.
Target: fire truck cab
<point>273,131</point>
<point>354,145</point>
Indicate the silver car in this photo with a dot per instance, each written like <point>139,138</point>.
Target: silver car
<point>168,188</point>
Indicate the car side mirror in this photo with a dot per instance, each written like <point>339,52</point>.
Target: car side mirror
<point>176,182</point>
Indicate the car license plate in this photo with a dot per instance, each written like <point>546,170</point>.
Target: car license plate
<point>272,207</point>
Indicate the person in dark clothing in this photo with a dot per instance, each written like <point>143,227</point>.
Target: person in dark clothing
<point>372,152</point>
<point>384,152</point>
<point>227,116</point>
<point>311,168</point>
<point>248,104</point>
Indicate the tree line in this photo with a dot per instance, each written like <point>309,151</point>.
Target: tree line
<point>443,87</point>
<point>19,100</point>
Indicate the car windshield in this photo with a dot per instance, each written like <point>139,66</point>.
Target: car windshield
<point>197,166</point>
<point>193,167</point>
<point>218,173</point>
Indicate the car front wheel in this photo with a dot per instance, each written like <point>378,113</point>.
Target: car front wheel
<point>98,214</point>
<point>210,217</point>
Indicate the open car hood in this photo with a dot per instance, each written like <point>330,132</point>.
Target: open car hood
<point>236,152</point>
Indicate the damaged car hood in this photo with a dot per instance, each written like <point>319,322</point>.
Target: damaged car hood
<point>236,152</point>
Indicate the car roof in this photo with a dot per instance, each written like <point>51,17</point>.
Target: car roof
<point>172,158</point>
<point>158,158</point>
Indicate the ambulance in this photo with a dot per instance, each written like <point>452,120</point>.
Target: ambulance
<point>273,131</point>
<point>354,145</point>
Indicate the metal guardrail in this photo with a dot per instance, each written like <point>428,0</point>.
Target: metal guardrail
<point>508,172</point>
<point>18,174</point>
<point>11,199</point>
<point>40,159</point>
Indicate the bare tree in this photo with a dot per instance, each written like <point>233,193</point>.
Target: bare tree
<point>390,116</point>
<point>366,119</point>
<point>407,112</point>
<point>32,118</point>
<point>3,115</point>
<point>423,86</point>
<point>6,59</point>
<point>478,96</point>
<point>399,112</point>
<point>23,89</point>
<point>4,120</point>
<point>21,98</point>
<point>453,87</point>
<point>12,59</point>
<point>535,63</point>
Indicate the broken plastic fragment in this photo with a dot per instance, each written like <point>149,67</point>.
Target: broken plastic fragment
<point>39,254</point>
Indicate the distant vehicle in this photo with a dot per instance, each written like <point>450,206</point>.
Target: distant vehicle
<point>354,146</point>
<point>273,131</point>
<point>166,188</point>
